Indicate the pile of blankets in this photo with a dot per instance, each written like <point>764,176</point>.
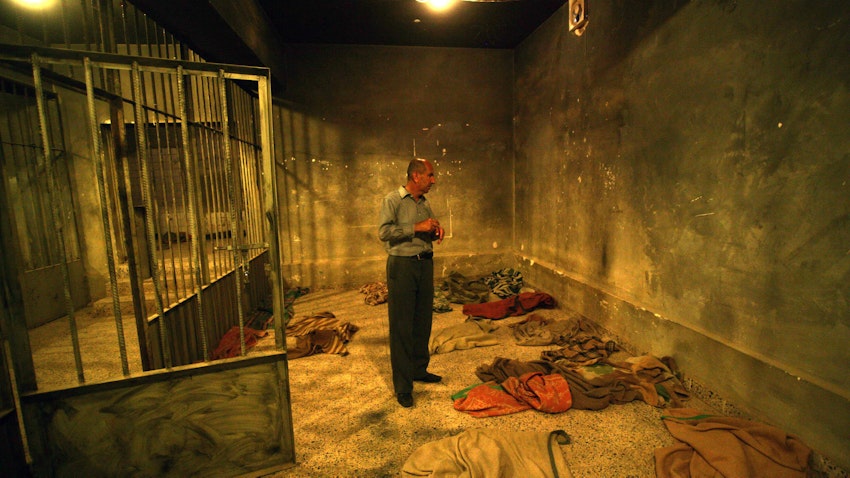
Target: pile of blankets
<point>320,333</point>
<point>584,363</point>
<point>603,383</point>
<point>512,306</point>
<point>376,292</point>
<point>459,289</point>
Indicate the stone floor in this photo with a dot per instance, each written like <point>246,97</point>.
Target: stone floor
<point>348,423</point>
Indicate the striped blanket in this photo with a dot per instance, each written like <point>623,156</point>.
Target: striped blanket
<point>320,333</point>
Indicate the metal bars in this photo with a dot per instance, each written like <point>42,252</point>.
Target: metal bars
<point>195,198</point>
<point>191,170</point>
<point>109,26</point>
<point>56,208</point>
<point>22,151</point>
<point>150,207</point>
<point>96,146</point>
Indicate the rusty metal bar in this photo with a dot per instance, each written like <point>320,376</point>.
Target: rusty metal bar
<point>193,133</point>
<point>57,216</point>
<point>118,62</point>
<point>250,166</point>
<point>209,214</point>
<point>141,152</point>
<point>16,399</point>
<point>125,216</point>
<point>218,180</point>
<point>161,209</point>
<point>168,97</point>
<point>239,267</point>
<point>191,173</point>
<point>97,153</point>
<point>272,230</point>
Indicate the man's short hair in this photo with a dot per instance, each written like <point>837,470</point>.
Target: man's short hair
<point>416,165</point>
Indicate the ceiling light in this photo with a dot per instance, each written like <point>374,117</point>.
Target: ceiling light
<point>438,5</point>
<point>36,4</point>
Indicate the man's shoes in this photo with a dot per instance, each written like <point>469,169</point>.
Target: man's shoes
<point>405,399</point>
<point>429,378</point>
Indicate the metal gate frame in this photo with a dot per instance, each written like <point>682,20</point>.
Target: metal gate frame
<point>159,332</point>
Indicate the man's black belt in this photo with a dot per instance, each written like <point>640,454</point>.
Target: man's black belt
<point>422,256</point>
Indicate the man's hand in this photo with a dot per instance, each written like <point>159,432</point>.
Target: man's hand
<point>438,234</point>
<point>431,226</point>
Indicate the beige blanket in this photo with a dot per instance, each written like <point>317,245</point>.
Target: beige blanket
<point>463,336</point>
<point>482,453</point>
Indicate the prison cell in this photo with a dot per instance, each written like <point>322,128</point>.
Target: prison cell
<point>173,161</point>
<point>189,201</point>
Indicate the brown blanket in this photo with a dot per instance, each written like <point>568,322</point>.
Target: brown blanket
<point>725,446</point>
<point>321,333</point>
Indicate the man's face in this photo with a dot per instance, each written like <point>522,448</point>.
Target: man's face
<point>425,180</point>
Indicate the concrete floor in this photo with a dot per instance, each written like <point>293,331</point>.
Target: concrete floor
<point>348,423</point>
<point>346,420</point>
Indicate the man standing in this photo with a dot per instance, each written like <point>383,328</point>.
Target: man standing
<point>407,228</point>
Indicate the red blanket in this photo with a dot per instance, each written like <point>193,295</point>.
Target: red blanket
<point>520,304</point>
<point>230,345</point>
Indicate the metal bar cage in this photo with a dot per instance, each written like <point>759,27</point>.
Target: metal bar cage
<point>141,177</point>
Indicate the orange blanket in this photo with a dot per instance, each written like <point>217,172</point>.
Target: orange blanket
<point>547,393</point>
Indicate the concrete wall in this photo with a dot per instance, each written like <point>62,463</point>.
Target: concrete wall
<point>685,174</point>
<point>352,119</point>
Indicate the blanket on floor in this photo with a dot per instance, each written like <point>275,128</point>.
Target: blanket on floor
<point>594,387</point>
<point>519,304</point>
<point>482,453</point>
<point>547,393</point>
<point>321,333</point>
<point>712,446</point>
<point>466,335</point>
<point>231,345</point>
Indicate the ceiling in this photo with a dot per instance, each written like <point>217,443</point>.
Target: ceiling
<point>468,24</point>
<point>256,32</point>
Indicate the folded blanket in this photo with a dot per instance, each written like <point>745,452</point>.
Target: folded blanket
<point>481,453</point>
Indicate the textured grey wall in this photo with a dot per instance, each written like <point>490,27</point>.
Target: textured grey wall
<point>679,173</point>
<point>688,168</point>
<point>353,117</point>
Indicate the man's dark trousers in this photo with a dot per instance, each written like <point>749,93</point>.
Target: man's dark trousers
<point>410,302</point>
